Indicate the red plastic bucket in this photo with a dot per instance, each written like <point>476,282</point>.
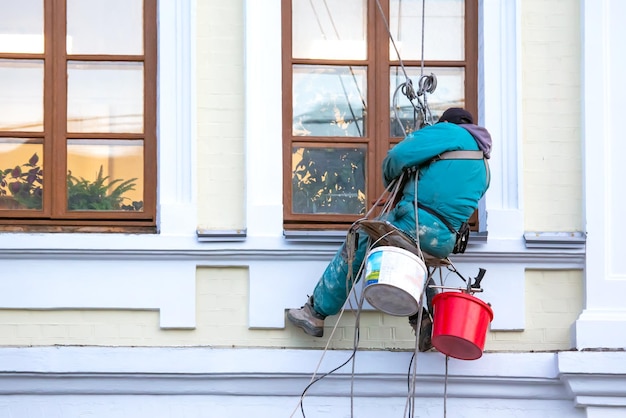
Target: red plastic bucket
<point>460,325</point>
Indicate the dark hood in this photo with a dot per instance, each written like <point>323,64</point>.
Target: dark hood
<point>482,137</point>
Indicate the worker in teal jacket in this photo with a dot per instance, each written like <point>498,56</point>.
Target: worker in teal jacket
<point>448,193</point>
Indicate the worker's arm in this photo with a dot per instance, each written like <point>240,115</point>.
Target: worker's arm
<point>420,147</point>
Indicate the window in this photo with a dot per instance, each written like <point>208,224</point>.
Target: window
<point>343,105</point>
<point>78,114</point>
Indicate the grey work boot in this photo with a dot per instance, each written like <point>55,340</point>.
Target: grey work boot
<point>424,342</point>
<point>308,319</point>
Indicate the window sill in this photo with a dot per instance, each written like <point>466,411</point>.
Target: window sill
<point>235,235</point>
<point>555,240</point>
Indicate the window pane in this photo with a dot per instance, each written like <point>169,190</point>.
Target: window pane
<point>328,180</point>
<point>444,36</point>
<point>329,100</point>
<point>105,175</point>
<point>329,29</point>
<point>105,97</point>
<point>21,95</point>
<point>450,92</point>
<point>105,27</point>
<point>21,26</point>
<point>21,174</point>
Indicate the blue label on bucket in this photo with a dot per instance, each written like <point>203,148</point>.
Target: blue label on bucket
<point>372,268</point>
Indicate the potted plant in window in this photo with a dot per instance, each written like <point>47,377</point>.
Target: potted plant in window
<point>21,187</point>
<point>100,194</point>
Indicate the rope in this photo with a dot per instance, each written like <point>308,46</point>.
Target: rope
<point>313,377</point>
<point>445,389</point>
<point>426,83</point>
<point>410,402</point>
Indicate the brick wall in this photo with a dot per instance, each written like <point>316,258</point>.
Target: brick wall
<point>220,114</point>
<point>551,107</point>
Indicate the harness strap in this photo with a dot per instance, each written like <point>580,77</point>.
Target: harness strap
<point>438,216</point>
<point>460,155</point>
<point>454,155</point>
<point>464,155</point>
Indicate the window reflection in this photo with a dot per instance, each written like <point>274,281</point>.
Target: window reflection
<point>21,174</point>
<point>105,175</point>
<point>329,100</point>
<point>105,97</point>
<point>21,95</point>
<point>444,29</point>
<point>328,180</point>
<point>105,27</point>
<point>21,26</point>
<point>329,29</point>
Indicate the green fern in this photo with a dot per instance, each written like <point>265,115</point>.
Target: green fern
<point>100,194</point>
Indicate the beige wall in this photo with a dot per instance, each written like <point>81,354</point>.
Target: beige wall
<point>220,114</point>
<point>551,115</point>
<point>554,301</point>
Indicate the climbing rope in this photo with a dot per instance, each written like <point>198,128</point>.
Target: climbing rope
<point>419,101</point>
<point>426,83</point>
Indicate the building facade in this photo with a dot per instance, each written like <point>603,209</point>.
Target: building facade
<point>189,320</point>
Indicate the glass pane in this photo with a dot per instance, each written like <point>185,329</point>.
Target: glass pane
<point>105,27</point>
<point>450,92</point>
<point>105,175</point>
<point>328,180</point>
<point>444,29</point>
<point>21,174</point>
<point>21,95</point>
<point>329,100</point>
<point>329,29</point>
<point>21,26</point>
<point>105,97</point>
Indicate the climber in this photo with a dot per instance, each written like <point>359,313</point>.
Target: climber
<point>450,184</point>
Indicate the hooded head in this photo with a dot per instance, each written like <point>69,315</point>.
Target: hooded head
<point>457,116</point>
<point>464,118</point>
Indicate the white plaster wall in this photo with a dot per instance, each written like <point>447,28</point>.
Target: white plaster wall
<point>194,382</point>
<point>603,322</point>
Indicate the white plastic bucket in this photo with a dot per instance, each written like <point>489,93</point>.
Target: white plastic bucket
<point>394,280</point>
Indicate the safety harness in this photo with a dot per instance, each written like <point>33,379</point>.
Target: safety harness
<point>462,235</point>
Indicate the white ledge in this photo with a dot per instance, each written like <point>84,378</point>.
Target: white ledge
<point>200,370</point>
<point>235,235</point>
<point>555,240</point>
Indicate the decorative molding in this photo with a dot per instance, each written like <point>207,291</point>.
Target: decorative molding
<point>205,255</point>
<point>176,114</point>
<point>315,236</point>
<point>164,285</point>
<point>590,379</point>
<point>596,378</point>
<point>237,372</point>
<point>337,237</point>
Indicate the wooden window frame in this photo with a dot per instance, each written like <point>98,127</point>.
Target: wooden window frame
<point>54,217</point>
<point>378,117</point>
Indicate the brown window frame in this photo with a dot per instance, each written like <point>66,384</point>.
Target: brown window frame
<point>54,217</point>
<point>378,139</point>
